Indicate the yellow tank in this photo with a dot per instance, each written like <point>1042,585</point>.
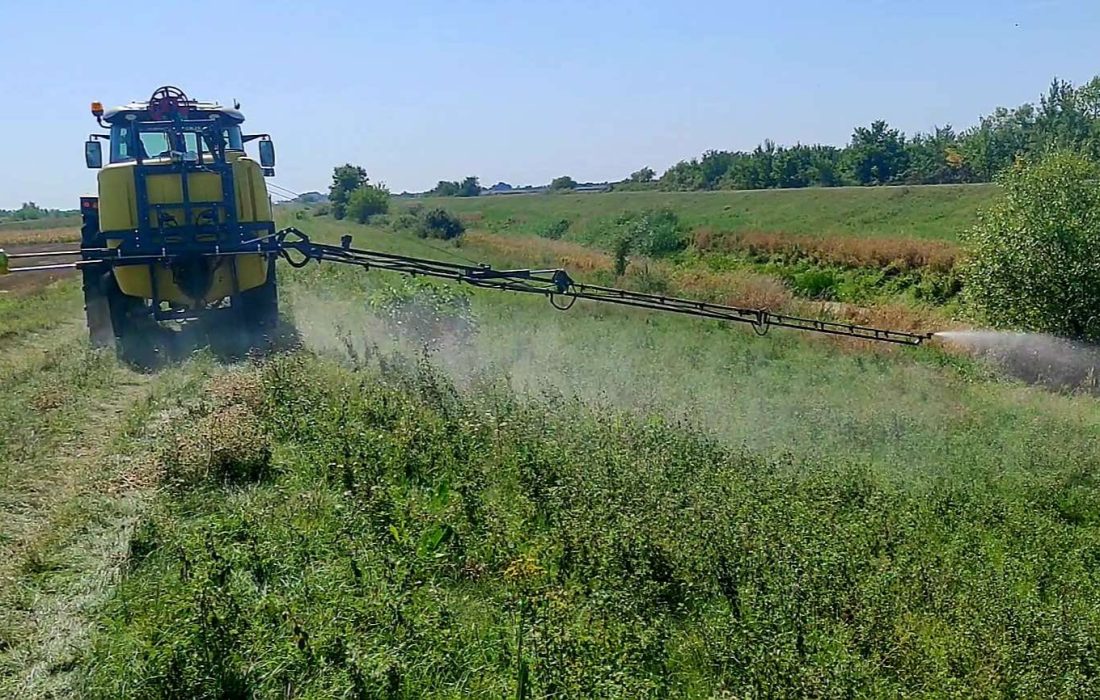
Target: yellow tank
<point>118,212</point>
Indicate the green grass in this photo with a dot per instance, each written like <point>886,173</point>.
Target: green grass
<point>607,504</point>
<point>36,224</point>
<point>39,310</point>
<point>929,212</point>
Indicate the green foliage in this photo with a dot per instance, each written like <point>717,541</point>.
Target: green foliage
<point>1066,117</point>
<point>440,223</point>
<point>654,232</point>
<point>445,188</point>
<point>470,187</point>
<point>368,201</point>
<point>421,541</point>
<point>554,229</point>
<point>563,184</point>
<point>1033,256</point>
<point>621,252</point>
<point>815,283</point>
<point>345,180</point>
<point>31,212</point>
<point>643,175</point>
<point>877,155</point>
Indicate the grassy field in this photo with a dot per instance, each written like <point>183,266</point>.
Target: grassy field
<point>937,213</point>
<point>450,494</point>
<point>61,222</point>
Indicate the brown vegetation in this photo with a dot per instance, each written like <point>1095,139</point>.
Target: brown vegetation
<point>848,251</point>
<point>734,288</point>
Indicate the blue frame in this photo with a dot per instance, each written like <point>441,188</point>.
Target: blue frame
<point>229,237</point>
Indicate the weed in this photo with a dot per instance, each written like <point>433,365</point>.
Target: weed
<point>618,557</point>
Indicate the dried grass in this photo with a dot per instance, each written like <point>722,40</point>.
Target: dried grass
<point>847,251</point>
<point>741,288</point>
<point>225,441</point>
<point>33,236</point>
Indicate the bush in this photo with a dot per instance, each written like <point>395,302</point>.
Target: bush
<point>815,284</point>
<point>322,210</point>
<point>367,201</point>
<point>554,229</point>
<point>654,232</point>
<point>440,223</point>
<point>1032,258</point>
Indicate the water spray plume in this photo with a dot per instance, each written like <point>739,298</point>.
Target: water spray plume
<point>1033,357</point>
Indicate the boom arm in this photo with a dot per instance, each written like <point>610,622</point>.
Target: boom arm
<point>563,292</point>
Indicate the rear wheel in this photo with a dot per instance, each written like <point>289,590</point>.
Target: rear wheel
<point>135,334</point>
<point>258,310</point>
<point>97,307</point>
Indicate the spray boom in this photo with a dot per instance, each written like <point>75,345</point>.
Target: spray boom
<point>563,292</point>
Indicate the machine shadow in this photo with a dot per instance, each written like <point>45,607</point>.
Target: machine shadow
<point>155,347</point>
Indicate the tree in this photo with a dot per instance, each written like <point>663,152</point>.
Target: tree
<point>30,211</point>
<point>877,154</point>
<point>345,180</point>
<point>685,175</point>
<point>368,201</point>
<point>563,184</point>
<point>445,188</point>
<point>1032,258</point>
<point>470,187</point>
<point>643,175</point>
<point>440,223</point>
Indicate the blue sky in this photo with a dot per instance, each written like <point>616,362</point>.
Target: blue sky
<point>520,91</point>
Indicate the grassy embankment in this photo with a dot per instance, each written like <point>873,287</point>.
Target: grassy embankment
<point>604,503</point>
<point>858,246</point>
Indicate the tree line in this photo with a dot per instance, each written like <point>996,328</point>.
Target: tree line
<point>31,211</point>
<point>1066,117</point>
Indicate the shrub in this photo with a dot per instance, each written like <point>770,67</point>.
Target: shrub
<point>367,201</point>
<point>654,232</point>
<point>1032,257</point>
<point>815,284</point>
<point>322,210</point>
<point>440,223</point>
<point>554,229</point>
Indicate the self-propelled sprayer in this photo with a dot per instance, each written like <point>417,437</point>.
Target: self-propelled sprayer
<point>182,231</point>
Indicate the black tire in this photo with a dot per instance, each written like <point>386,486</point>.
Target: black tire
<point>258,310</point>
<point>135,335</point>
<point>97,306</point>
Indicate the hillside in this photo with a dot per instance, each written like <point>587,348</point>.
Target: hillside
<point>935,212</point>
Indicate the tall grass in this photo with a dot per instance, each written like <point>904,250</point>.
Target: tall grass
<point>414,540</point>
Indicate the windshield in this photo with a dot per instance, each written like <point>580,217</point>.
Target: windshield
<point>156,143</point>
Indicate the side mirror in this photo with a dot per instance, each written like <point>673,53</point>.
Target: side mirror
<point>267,154</point>
<point>93,154</point>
